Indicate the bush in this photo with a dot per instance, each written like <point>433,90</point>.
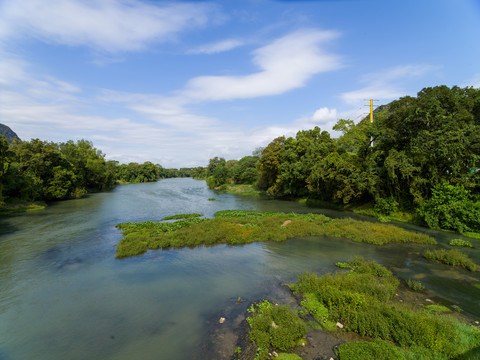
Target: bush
<point>386,206</point>
<point>415,285</point>
<point>451,207</point>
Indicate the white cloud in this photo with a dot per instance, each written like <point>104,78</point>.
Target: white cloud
<point>386,85</point>
<point>105,25</point>
<point>218,47</point>
<point>286,64</point>
<point>324,115</point>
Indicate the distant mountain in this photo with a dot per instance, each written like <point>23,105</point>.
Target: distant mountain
<point>8,133</point>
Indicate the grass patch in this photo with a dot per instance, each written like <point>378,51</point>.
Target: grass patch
<point>474,235</point>
<point>369,210</point>
<point>242,189</point>
<point>285,356</point>
<point>415,285</point>
<point>273,326</point>
<point>436,309</point>
<point>363,301</point>
<point>211,199</point>
<point>452,258</point>
<point>182,216</point>
<point>236,227</point>
<point>476,286</point>
<point>460,242</point>
<point>22,207</point>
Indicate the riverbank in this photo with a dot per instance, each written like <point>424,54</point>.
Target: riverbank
<point>367,209</point>
<point>21,207</point>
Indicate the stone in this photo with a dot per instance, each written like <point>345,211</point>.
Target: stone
<point>340,326</point>
<point>274,354</point>
<point>274,325</point>
<point>428,300</point>
<point>287,222</point>
<point>222,320</point>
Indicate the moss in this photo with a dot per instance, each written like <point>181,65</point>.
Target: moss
<point>236,227</point>
<point>363,350</point>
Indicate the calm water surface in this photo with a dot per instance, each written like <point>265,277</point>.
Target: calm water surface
<point>63,295</point>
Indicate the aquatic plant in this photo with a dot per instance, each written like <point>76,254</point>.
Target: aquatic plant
<point>452,258</point>
<point>460,242</point>
<point>236,227</point>
<point>182,216</point>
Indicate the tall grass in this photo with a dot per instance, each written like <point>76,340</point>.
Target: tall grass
<point>235,227</point>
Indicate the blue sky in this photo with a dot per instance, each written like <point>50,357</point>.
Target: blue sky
<point>177,82</point>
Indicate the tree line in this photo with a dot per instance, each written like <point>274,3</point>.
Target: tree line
<point>421,154</point>
<point>38,170</point>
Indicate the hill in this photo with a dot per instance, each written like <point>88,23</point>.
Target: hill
<point>8,133</point>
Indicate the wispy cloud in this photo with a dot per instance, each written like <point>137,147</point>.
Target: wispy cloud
<point>387,84</point>
<point>105,25</point>
<point>285,64</point>
<point>217,47</point>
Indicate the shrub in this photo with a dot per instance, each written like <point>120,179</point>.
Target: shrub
<point>451,207</point>
<point>386,206</point>
<point>415,285</point>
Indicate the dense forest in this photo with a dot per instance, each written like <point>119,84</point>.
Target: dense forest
<point>421,155</point>
<point>42,171</point>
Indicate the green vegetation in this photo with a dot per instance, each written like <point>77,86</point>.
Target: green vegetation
<point>236,227</point>
<point>415,285</point>
<point>363,301</point>
<point>460,242</point>
<point>452,258</point>
<point>418,161</point>
<point>273,326</point>
<point>285,356</point>
<point>436,309</point>
<point>474,235</point>
<point>32,171</point>
<point>182,216</point>
<point>364,350</point>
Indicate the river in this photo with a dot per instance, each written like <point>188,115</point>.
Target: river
<point>63,295</point>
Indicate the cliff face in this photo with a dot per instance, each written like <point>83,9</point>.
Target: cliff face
<point>8,133</point>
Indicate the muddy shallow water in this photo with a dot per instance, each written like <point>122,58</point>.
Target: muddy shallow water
<point>64,295</point>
